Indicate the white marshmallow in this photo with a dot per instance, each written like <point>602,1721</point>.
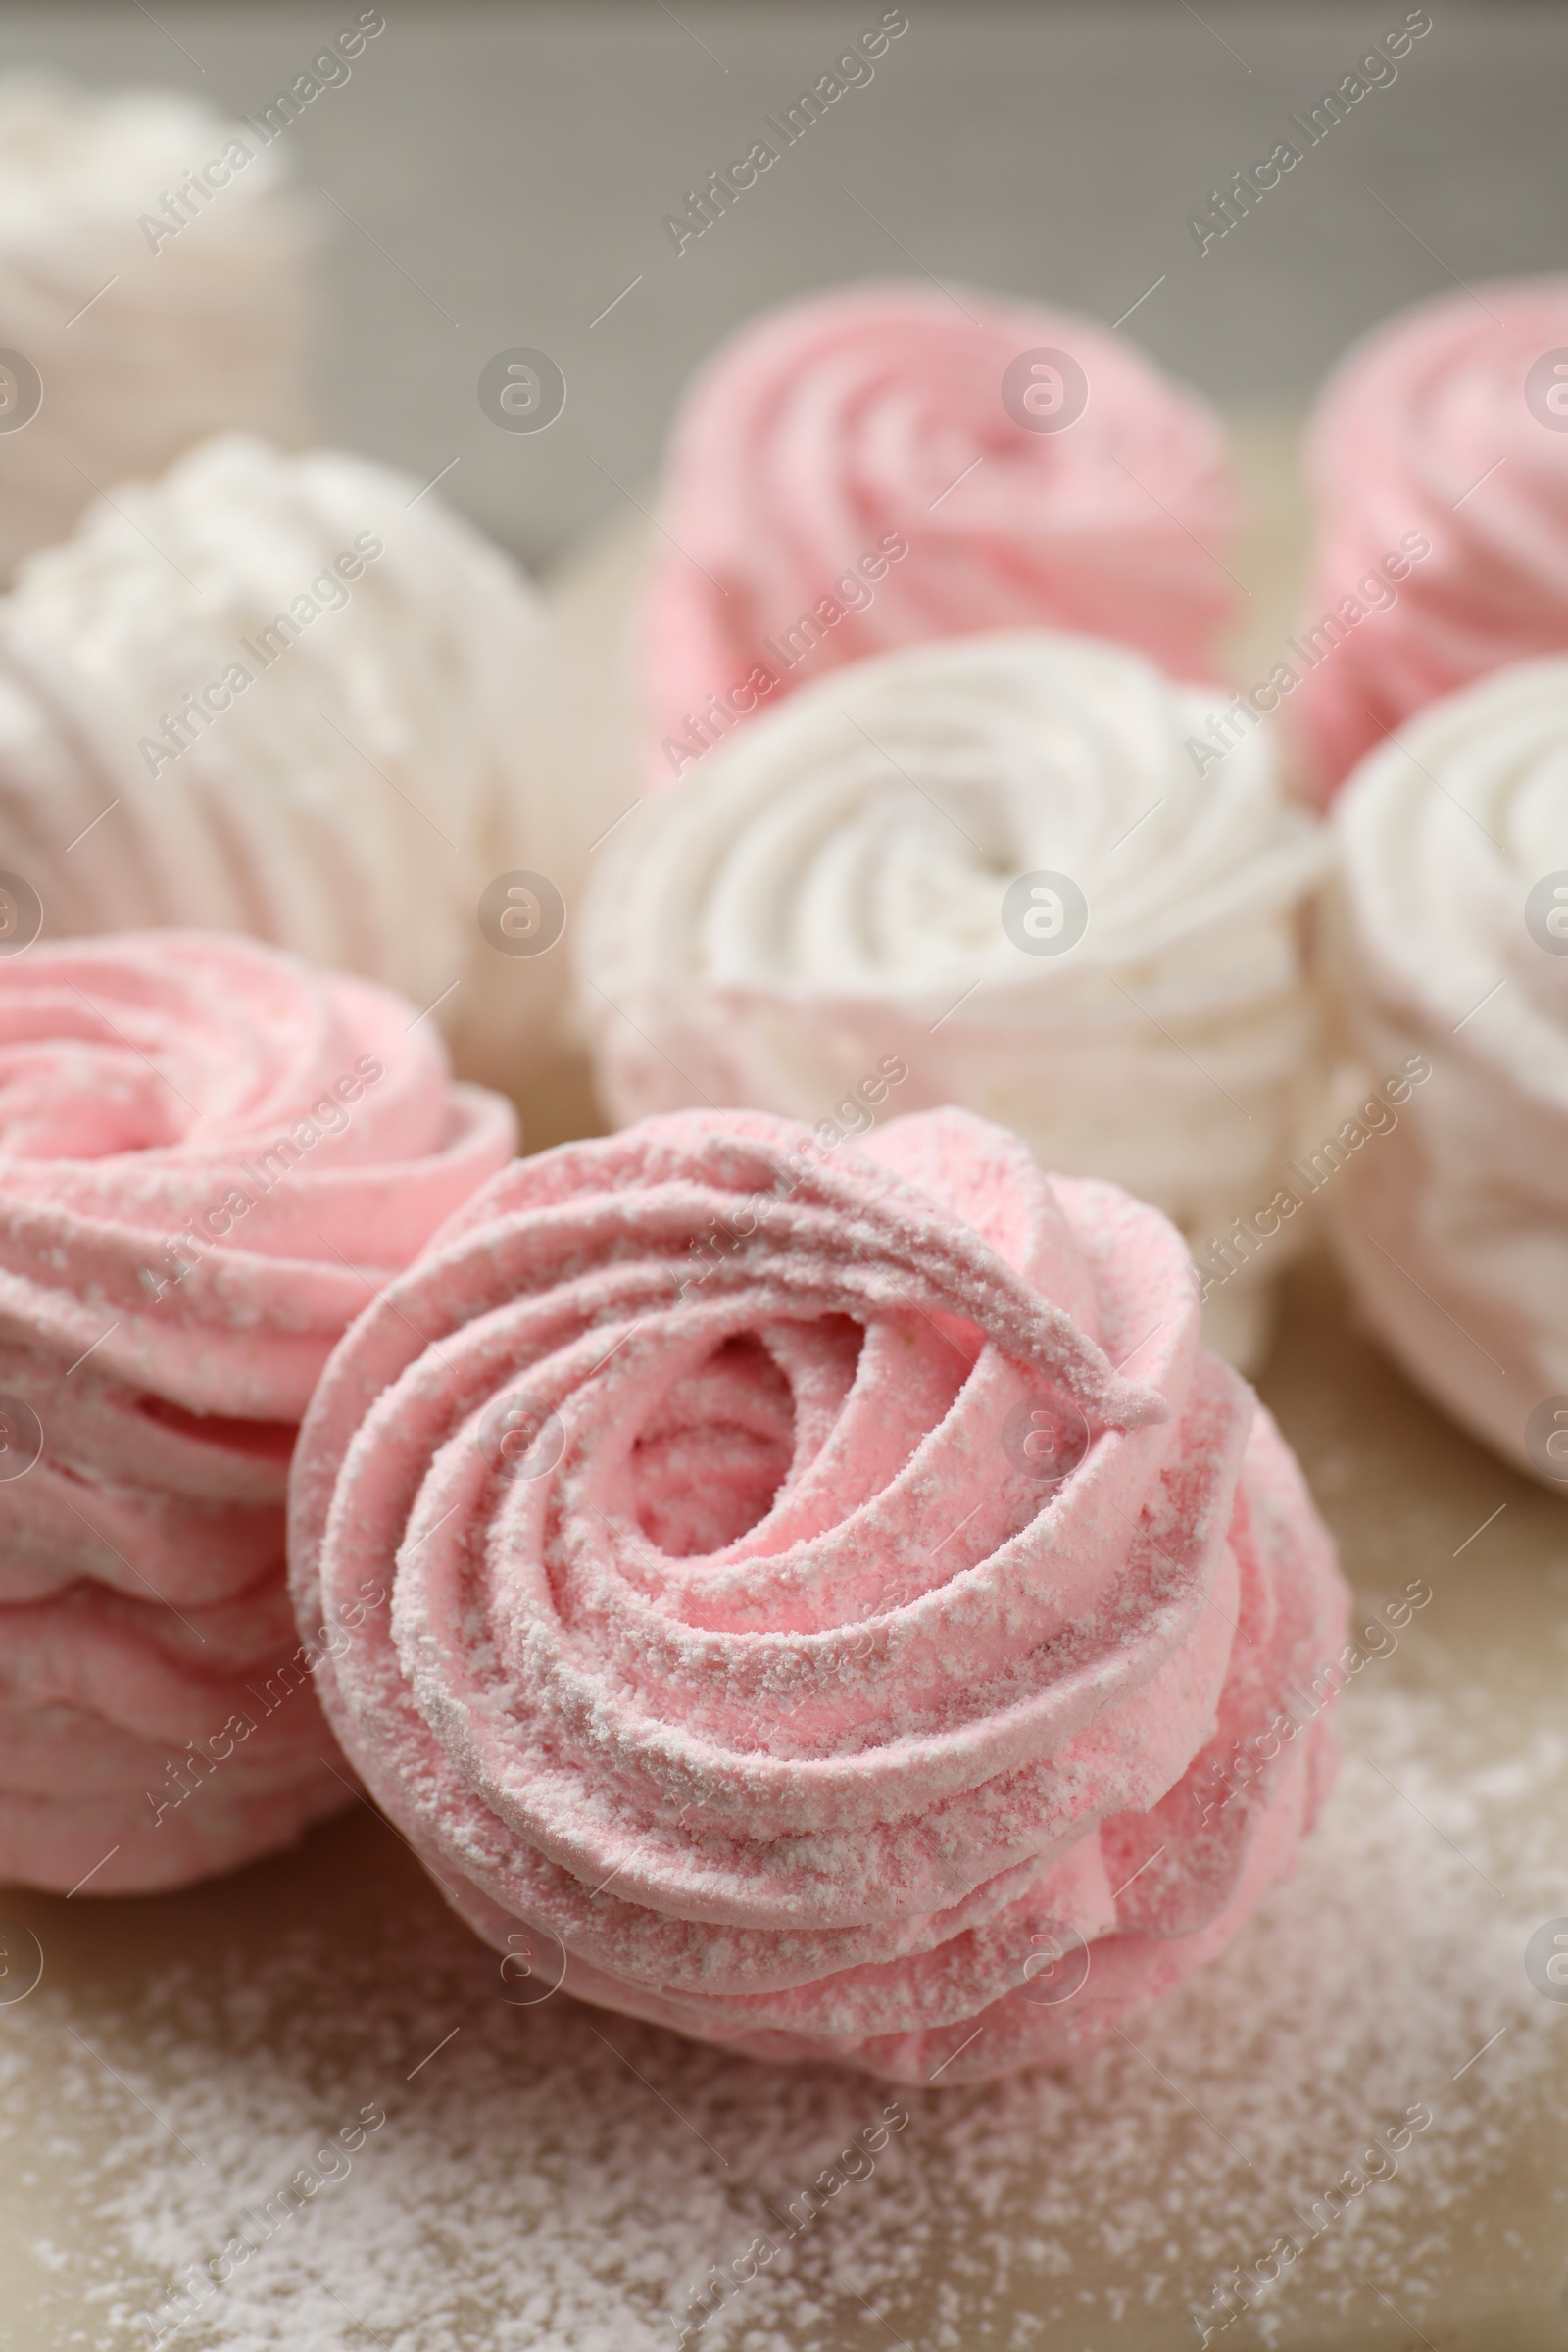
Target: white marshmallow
<point>1455,1225</point>
<point>364,772</point>
<point>826,893</point>
<point>149,327</point>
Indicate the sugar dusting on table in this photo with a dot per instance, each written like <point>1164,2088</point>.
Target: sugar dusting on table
<point>555,2176</point>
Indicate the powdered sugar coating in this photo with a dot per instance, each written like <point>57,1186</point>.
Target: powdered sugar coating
<point>776,1688</point>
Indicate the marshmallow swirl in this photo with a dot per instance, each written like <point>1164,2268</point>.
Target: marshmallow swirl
<point>210,1159</point>
<point>1455,966</point>
<point>836,894</point>
<point>860,471</point>
<point>153,267</point>
<point>1439,442</point>
<point>741,1652</point>
<point>269,695</point>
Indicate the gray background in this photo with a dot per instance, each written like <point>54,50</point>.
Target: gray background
<point>508,167</point>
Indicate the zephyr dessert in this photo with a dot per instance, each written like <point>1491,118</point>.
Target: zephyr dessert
<point>837,1605</point>
<point>1015,872</point>
<point>1452,911</point>
<point>1439,457</point>
<point>211,1160</point>
<point>153,287</point>
<point>890,464</point>
<point>293,697</point>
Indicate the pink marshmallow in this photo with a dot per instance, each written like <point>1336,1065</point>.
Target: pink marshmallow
<point>210,1159</point>
<point>1438,460</point>
<point>877,467</point>
<point>836,1599</point>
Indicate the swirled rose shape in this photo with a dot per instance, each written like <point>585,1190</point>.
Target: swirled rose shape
<point>862,470</point>
<point>749,1662</point>
<point>292,697</point>
<point>1439,462</point>
<point>844,889</point>
<point>1453,959</point>
<point>210,1159</point>
<point>154,269</point>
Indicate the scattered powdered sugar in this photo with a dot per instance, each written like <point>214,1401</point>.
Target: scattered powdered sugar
<point>555,2176</point>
